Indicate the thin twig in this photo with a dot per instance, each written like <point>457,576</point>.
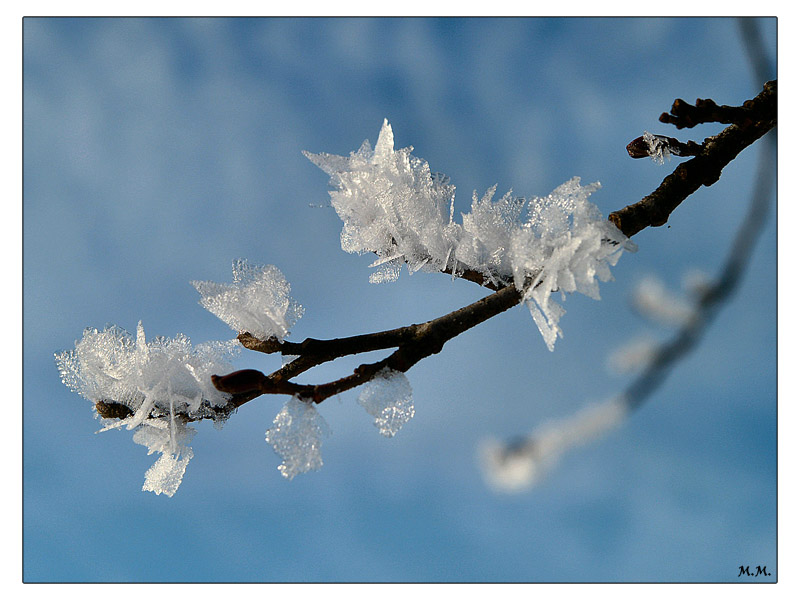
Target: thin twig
<point>708,305</point>
<point>682,114</point>
<point>739,255</point>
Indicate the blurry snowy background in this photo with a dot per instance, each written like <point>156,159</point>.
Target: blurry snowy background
<point>158,150</point>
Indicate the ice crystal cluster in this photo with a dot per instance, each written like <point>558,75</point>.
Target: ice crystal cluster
<point>393,206</point>
<point>257,301</point>
<point>153,382</point>
<point>296,435</point>
<point>388,398</point>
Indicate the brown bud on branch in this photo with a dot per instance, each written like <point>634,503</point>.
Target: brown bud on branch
<point>239,382</point>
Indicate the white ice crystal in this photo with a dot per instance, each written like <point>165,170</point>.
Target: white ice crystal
<point>657,147</point>
<point>391,204</point>
<point>566,246</point>
<point>171,440</point>
<point>257,301</point>
<point>487,232</point>
<point>296,436</point>
<point>388,398</point>
<point>154,381</point>
<point>520,466</point>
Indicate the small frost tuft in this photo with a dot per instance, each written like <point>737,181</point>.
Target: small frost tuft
<point>388,398</point>
<point>257,301</point>
<point>296,436</point>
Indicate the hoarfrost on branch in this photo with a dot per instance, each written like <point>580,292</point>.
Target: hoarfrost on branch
<point>519,467</point>
<point>154,381</point>
<point>391,205</point>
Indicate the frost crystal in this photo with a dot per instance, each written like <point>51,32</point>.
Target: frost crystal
<point>658,148</point>
<point>170,439</point>
<point>391,204</point>
<point>388,398</point>
<point>486,236</point>
<point>566,246</point>
<point>157,378</point>
<point>257,302</point>
<point>153,382</point>
<point>296,436</point>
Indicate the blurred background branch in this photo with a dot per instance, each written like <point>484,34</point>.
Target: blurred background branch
<point>520,463</point>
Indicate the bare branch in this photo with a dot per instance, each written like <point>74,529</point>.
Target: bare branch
<point>413,343</point>
<point>682,114</point>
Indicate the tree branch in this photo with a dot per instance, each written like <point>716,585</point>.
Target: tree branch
<point>415,342</point>
<point>705,168</point>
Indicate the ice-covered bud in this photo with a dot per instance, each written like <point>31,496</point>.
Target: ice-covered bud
<point>257,301</point>
<point>660,147</point>
<point>509,467</point>
<point>388,398</point>
<point>152,387</point>
<point>296,436</point>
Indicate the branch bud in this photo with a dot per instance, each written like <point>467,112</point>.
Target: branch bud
<point>239,382</point>
<point>112,410</point>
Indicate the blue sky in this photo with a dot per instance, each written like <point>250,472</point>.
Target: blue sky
<point>156,151</point>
